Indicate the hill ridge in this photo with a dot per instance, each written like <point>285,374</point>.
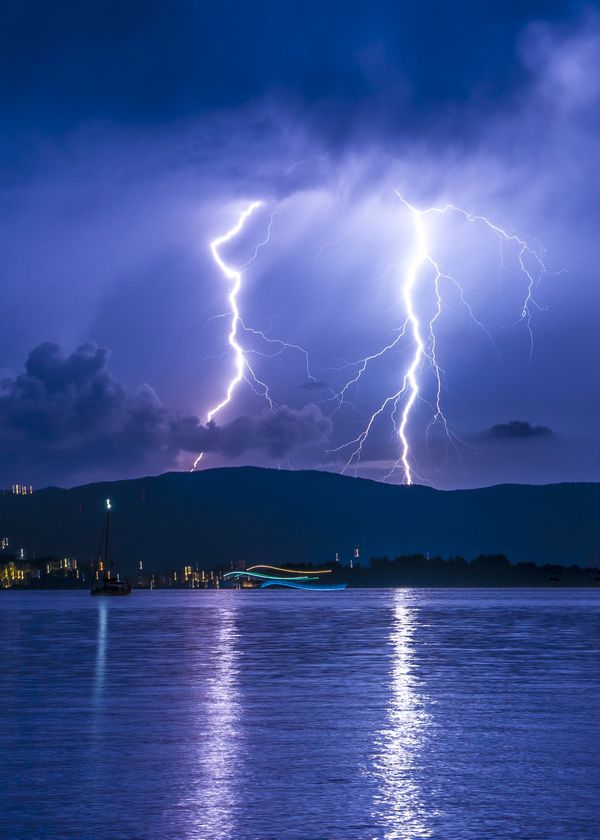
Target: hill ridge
<point>258,514</point>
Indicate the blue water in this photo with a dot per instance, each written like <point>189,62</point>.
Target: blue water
<point>358,714</point>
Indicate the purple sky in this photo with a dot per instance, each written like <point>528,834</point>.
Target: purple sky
<point>115,181</point>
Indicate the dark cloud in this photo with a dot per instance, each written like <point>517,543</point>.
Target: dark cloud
<point>69,410</point>
<point>274,433</point>
<point>519,429</point>
<point>144,61</point>
<point>60,397</point>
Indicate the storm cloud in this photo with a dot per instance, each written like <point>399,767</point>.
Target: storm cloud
<point>69,409</point>
<point>132,139</point>
<point>519,429</point>
<point>341,63</point>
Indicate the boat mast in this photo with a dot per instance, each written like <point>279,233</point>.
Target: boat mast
<point>106,572</point>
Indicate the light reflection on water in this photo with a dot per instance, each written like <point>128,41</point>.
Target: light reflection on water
<point>217,731</point>
<point>398,760</point>
<point>382,714</point>
<point>100,668</point>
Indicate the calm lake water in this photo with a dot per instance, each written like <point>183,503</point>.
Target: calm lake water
<point>360,714</point>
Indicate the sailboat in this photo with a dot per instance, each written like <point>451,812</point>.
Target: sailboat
<point>104,580</point>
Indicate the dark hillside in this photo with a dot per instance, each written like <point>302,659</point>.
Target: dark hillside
<point>216,516</point>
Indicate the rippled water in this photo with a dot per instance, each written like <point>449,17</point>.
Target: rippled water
<point>360,714</point>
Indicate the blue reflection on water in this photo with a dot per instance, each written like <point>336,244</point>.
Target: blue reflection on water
<point>358,714</point>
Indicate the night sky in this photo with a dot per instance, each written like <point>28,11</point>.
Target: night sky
<point>134,133</point>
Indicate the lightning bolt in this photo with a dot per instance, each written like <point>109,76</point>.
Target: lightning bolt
<point>243,368</point>
<point>424,354</point>
<point>401,403</point>
<point>235,277</point>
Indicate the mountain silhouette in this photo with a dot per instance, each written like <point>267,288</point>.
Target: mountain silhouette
<point>217,516</point>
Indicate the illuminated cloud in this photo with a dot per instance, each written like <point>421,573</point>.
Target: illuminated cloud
<point>113,199</point>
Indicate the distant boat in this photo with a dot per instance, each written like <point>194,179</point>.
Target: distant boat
<point>104,579</point>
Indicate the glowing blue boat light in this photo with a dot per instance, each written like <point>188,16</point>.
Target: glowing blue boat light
<point>317,587</point>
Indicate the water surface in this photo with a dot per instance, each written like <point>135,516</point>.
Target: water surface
<point>282,714</point>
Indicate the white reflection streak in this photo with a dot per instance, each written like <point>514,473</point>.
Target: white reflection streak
<point>399,807</point>
<point>100,666</point>
<point>94,762</point>
<point>218,738</point>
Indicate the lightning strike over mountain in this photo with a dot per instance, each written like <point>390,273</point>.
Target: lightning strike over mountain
<point>243,369</point>
<point>401,403</point>
<point>235,276</point>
